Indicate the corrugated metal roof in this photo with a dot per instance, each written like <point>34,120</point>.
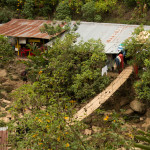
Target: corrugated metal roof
<point>112,35</point>
<point>24,28</point>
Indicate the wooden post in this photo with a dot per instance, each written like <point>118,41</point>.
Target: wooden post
<point>3,138</point>
<point>18,45</point>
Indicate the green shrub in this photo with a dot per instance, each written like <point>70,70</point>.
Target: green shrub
<point>142,87</point>
<point>67,72</point>
<point>28,9</point>
<point>5,15</point>
<point>74,69</point>
<point>104,6</point>
<point>12,4</point>
<point>138,48</point>
<point>130,3</point>
<point>3,2</point>
<point>45,11</point>
<point>6,51</point>
<point>88,11</point>
<point>98,18</point>
<point>63,10</point>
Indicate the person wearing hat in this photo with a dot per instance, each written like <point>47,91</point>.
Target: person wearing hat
<point>122,50</point>
<point>119,60</point>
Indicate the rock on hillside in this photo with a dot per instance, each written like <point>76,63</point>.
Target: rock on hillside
<point>138,106</point>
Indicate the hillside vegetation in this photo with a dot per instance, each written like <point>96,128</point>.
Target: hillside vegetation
<point>61,78</point>
<point>66,76</point>
<point>118,11</point>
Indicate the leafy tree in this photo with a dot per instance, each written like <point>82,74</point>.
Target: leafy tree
<point>142,86</point>
<point>64,74</point>
<point>6,51</point>
<point>75,7</point>
<point>12,4</point>
<point>72,69</point>
<point>103,6</point>
<point>138,48</point>
<point>46,7</point>
<point>95,10</point>
<point>63,10</point>
<point>88,11</point>
<point>43,127</point>
<point>28,9</point>
<point>5,15</point>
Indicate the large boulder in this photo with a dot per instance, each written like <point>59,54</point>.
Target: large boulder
<point>138,106</point>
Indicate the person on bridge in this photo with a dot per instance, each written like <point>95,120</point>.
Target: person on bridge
<point>122,60</point>
<point>119,62</point>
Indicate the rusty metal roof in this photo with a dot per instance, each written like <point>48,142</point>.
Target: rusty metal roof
<point>112,35</point>
<point>25,28</point>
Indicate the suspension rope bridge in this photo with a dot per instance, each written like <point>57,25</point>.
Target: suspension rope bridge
<point>103,96</point>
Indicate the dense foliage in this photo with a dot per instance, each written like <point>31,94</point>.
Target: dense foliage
<point>72,70</point>
<point>63,10</point>
<point>138,49</point>
<point>138,46</point>
<point>6,51</point>
<point>5,14</point>
<point>28,9</point>
<point>88,10</point>
<point>60,76</point>
<point>143,86</point>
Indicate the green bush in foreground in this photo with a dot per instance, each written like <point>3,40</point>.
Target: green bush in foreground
<point>63,75</point>
<point>138,49</point>
<point>145,139</point>
<point>74,70</point>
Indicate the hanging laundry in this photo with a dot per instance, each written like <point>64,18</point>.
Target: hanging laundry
<point>104,70</point>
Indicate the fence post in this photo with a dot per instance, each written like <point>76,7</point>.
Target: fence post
<point>3,138</point>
